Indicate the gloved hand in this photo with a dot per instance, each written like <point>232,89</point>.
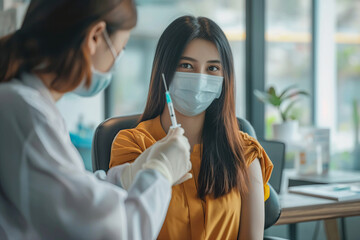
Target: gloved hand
<point>171,157</point>
<point>124,174</point>
<point>174,146</point>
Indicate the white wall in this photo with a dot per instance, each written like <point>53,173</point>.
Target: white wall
<point>11,15</point>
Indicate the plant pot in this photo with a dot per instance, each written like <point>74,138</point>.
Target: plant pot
<point>286,131</point>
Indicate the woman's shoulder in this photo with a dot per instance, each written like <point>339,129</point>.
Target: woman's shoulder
<point>130,143</point>
<point>249,142</point>
<point>147,125</point>
<point>142,132</point>
<point>252,148</point>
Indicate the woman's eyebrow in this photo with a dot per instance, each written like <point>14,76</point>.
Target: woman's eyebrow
<point>214,61</point>
<point>194,60</point>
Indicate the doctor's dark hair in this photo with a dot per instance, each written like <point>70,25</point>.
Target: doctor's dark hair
<point>51,39</point>
<point>223,166</point>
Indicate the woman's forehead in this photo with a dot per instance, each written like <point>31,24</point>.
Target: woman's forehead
<point>201,50</point>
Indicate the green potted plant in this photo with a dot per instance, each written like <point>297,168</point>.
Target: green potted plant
<point>287,130</point>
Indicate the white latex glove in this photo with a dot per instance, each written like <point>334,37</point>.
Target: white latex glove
<point>174,146</point>
<point>171,157</point>
<point>124,175</point>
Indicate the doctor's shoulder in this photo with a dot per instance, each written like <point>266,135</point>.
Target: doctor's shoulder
<point>22,104</point>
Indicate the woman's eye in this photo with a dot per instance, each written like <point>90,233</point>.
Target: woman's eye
<point>186,65</point>
<point>214,68</point>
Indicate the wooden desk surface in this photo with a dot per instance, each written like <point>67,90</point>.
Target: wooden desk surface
<point>300,208</point>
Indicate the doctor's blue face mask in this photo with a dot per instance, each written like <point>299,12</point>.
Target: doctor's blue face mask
<point>192,93</point>
<point>100,80</point>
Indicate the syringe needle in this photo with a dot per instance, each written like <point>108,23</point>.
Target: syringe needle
<point>163,77</point>
<point>174,123</point>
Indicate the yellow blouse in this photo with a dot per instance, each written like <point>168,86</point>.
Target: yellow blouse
<point>188,216</point>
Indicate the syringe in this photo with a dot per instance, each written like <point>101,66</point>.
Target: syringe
<point>174,123</point>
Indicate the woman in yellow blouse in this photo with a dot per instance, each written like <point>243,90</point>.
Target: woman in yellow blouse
<point>225,197</point>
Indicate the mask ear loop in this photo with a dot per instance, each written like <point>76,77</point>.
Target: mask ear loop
<point>108,42</point>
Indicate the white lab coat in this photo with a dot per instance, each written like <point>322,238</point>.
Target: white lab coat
<point>45,191</point>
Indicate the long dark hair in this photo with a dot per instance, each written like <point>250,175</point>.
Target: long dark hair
<point>223,164</point>
<point>52,35</point>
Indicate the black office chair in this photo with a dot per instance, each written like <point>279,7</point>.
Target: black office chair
<point>276,152</point>
<point>107,130</point>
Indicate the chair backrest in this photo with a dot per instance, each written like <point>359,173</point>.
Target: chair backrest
<point>276,152</point>
<point>107,130</point>
<point>104,136</point>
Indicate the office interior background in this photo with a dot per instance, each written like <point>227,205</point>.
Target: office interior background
<point>313,44</point>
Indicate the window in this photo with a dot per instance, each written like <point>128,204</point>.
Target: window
<point>288,54</point>
<point>129,89</point>
<point>82,116</point>
<point>337,75</point>
<point>347,40</point>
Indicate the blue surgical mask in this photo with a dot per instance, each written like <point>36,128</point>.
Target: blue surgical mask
<point>100,80</point>
<point>192,93</point>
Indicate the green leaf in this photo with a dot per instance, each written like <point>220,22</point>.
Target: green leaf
<point>267,98</point>
<point>275,100</point>
<point>272,91</point>
<point>264,97</point>
<point>355,112</point>
<point>286,90</point>
<point>292,117</point>
<point>295,94</point>
<point>288,108</point>
<point>283,116</point>
<point>356,121</point>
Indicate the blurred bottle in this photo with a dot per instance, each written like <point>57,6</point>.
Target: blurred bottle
<point>309,157</point>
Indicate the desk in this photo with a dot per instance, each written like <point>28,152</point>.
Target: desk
<point>300,208</point>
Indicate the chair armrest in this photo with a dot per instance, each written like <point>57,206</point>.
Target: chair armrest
<point>272,208</point>
<point>273,238</point>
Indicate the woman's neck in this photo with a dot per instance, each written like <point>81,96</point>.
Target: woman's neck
<point>193,126</point>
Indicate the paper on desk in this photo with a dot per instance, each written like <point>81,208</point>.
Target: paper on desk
<point>338,192</point>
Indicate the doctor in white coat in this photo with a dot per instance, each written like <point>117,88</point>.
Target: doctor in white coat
<point>45,192</point>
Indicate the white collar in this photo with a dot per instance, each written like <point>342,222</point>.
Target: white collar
<point>35,82</point>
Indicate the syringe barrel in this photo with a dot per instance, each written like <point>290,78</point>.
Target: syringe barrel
<point>171,109</point>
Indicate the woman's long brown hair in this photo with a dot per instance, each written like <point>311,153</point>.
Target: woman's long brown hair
<point>51,39</point>
<point>223,165</point>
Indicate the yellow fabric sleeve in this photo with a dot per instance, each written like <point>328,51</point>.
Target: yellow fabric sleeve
<point>128,145</point>
<point>253,150</point>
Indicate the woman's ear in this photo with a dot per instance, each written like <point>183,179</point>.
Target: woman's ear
<point>94,37</point>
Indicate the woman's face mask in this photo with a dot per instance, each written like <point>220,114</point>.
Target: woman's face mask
<point>192,93</point>
<point>100,80</point>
